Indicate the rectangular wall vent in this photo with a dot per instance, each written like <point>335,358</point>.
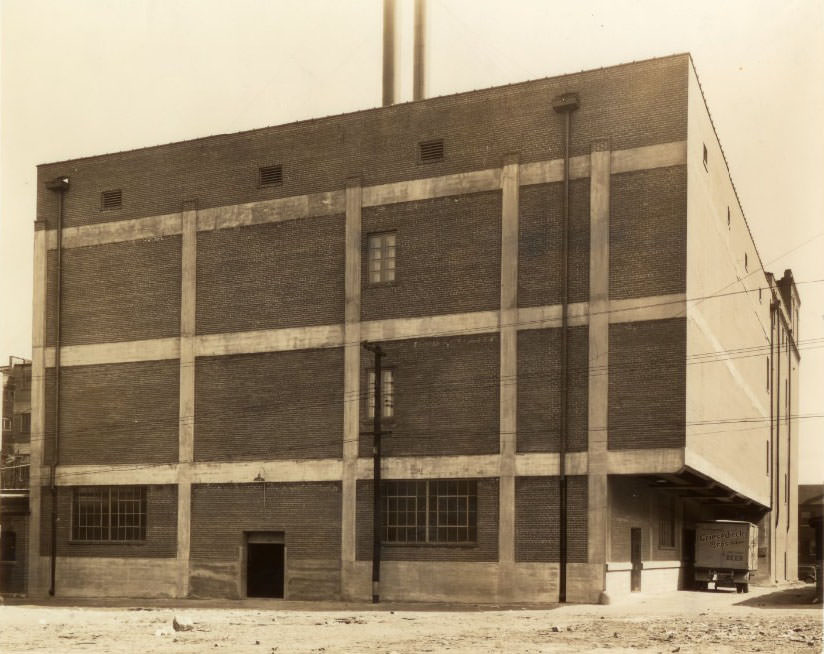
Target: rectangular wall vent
<point>271,175</point>
<point>111,199</point>
<point>431,150</point>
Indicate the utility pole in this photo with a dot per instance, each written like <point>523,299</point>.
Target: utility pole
<point>376,460</point>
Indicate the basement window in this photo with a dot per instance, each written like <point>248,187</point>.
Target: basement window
<point>437,512</point>
<point>109,513</point>
<point>270,175</point>
<point>431,151</point>
<point>110,200</point>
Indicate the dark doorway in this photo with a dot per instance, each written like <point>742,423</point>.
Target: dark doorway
<point>635,557</point>
<point>264,569</point>
<point>688,558</point>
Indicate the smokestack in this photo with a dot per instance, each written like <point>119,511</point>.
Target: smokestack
<point>388,52</point>
<point>419,78</point>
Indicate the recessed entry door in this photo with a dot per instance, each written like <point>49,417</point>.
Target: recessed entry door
<point>265,564</point>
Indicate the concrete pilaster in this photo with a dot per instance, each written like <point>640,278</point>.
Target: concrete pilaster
<point>598,362</point>
<point>38,573</point>
<point>351,386</point>
<point>186,425</point>
<point>508,371</point>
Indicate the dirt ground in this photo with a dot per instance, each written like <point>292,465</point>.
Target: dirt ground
<point>766,620</point>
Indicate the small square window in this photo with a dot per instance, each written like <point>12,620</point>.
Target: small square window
<point>381,257</point>
<point>110,200</point>
<point>270,175</point>
<point>387,391</point>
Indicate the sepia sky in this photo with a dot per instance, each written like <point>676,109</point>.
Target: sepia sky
<point>85,77</point>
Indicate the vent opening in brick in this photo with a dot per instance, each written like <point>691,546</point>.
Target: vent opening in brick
<point>271,175</point>
<point>111,199</point>
<point>431,150</point>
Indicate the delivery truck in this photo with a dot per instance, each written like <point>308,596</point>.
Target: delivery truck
<point>726,553</point>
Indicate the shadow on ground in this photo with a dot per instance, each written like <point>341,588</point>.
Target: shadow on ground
<point>268,605</point>
<point>788,598</point>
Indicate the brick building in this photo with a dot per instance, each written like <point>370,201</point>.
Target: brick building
<point>556,430</point>
<point>15,416</point>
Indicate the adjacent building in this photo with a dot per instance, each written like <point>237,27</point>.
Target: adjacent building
<point>583,353</point>
<point>15,416</point>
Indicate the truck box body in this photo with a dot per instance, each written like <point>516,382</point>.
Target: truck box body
<point>726,545</point>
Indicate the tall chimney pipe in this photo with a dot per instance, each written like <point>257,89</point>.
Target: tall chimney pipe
<point>388,52</point>
<point>419,68</point>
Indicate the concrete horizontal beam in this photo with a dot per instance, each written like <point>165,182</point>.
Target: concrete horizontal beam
<point>334,202</point>
<point>298,338</point>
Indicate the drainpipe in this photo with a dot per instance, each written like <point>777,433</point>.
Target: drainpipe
<point>778,420</point>
<point>772,407</point>
<point>59,185</point>
<point>565,104</point>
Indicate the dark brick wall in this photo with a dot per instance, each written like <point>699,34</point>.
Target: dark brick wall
<point>116,292</point>
<point>273,405</point>
<point>486,548</point>
<point>537,519</point>
<point>307,513</point>
<point>478,129</point>
<point>448,256</point>
<point>648,233</point>
<point>271,276</point>
<point>647,384</point>
<point>539,390</point>
<point>446,396</point>
<point>161,527</point>
<point>540,243</point>
<point>115,413</point>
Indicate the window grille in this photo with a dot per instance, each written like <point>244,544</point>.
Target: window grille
<point>381,257</point>
<point>271,175</point>
<point>666,523</point>
<point>438,511</point>
<point>109,513</point>
<point>387,391</point>
<point>431,151</point>
<point>111,199</point>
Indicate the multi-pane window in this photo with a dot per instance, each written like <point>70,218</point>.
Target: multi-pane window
<point>381,257</point>
<point>387,392</point>
<point>438,511</point>
<point>109,513</point>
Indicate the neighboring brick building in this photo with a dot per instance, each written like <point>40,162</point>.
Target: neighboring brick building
<point>15,416</point>
<point>204,341</point>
